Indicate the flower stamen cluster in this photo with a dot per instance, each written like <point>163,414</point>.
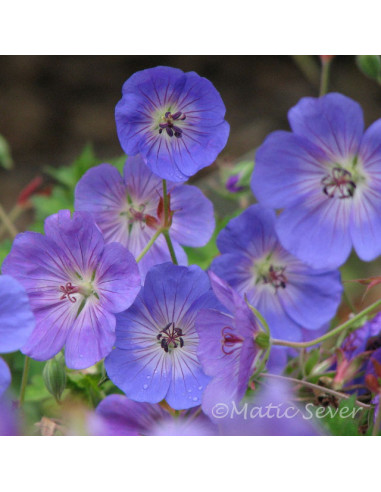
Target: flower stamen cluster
<point>168,125</point>
<point>168,337</point>
<point>339,183</point>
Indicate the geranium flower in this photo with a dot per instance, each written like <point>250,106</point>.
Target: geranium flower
<point>175,120</point>
<point>326,177</point>
<point>116,415</point>
<point>16,322</point>
<point>156,341</point>
<point>287,292</point>
<point>129,210</point>
<point>75,284</point>
<point>227,350</point>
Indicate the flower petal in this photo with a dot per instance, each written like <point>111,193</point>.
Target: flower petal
<point>144,374</point>
<point>117,278</point>
<point>5,376</point>
<point>333,122</point>
<point>287,168</point>
<point>317,231</point>
<point>311,298</point>
<point>91,336</point>
<point>188,380</point>
<point>193,220</point>
<point>16,318</point>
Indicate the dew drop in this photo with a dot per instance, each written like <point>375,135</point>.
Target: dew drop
<point>200,388</point>
<point>148,377</point>
<point>145,386</point>
<point>195,398</point>
<point>190,390</point>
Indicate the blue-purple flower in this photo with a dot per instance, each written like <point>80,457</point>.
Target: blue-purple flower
<point>129,210</point>
<point>227,349</point>
<point>75,283</point>
<point>10,423</point>
<point>116,415</point>
<point>175,120</point>
<point>156,341</point>
<point>16,322</point>
<point>271,410</point>
<point>288,293</point>
<point>326,175</point>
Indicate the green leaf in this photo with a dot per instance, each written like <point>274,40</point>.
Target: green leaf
<point>342,421</point>
<point>313,358</point>
<point>204,256</point>
<point>6,160</point>
<point>5,247</point>
<point>370,65</point>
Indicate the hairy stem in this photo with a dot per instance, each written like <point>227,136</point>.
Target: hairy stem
<point>331,333</point>
<point>149,244</point>
<point>170,247</point>
<point>307,384</point>
<point>324,77</point>
<point>8,224</point>
<point>377,424</point>
<point>24,380</point>
<point>166,222</point>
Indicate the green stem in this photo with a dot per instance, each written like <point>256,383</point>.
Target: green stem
<point>166,219</point>
<point>8,224</point>
<point>377,424</point>
<point>315,387</point>
<point>24,380</point>
<point>170,247</point>
<point>331,333</point>
<point>149,244</point>
<point>324,78</point>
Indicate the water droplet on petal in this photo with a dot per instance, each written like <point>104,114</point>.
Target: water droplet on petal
<point>195,398</point>
<point>190,390</point>
<point>148,377</point>
<point>200,388</point>
<point>145,386</point>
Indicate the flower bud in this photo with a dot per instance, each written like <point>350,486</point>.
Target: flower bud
<point>54,375</point>
<point>262,340</point>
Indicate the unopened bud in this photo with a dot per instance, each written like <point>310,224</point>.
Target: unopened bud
<point>262,340</point>
<point>54,375</point>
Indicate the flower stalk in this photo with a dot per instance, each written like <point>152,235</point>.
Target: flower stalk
<point>344,326</point>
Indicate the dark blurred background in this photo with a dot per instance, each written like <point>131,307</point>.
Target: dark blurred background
<point>51,106</point>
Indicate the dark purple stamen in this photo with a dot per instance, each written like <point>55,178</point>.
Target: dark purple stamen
<point>229,340</point>
<point>169,127</point>
<point>275,277</point>
<point>68,290</point>
<point>339,183</point>
<point>168,336</point>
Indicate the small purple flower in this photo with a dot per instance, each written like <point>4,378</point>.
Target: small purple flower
<point>175,120</point>
<point>16,322</point>
<point>116,415</point>
<point>156,341</point>
<point>232,184</point>
<point>75,285</point>
<point>129,210</point>
<point>227,349</point>
<point>366,338</point>
<point>326,177</point>
<point>288,293</point>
